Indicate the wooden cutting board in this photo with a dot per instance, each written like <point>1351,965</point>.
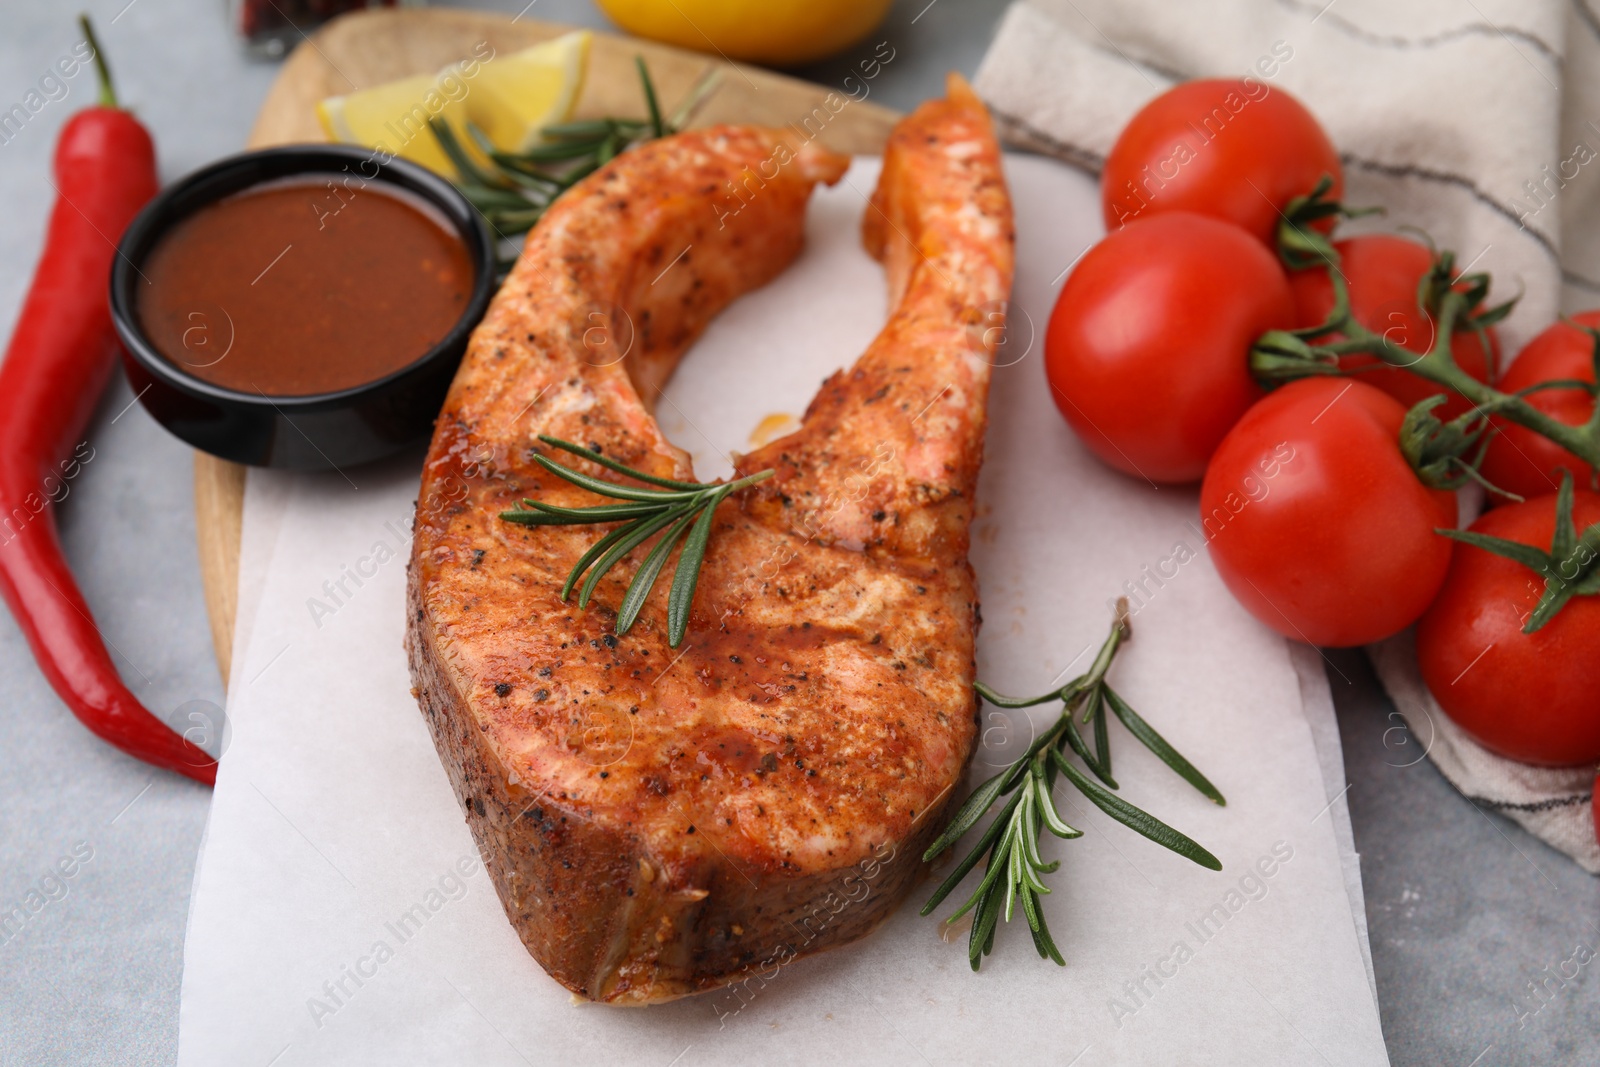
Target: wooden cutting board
<point>371,47</point>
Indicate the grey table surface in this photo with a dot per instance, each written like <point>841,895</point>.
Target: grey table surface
<point>1465,909</point>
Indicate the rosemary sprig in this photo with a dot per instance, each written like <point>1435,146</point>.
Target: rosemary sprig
<point>515,189</point>
<point>1011,841</point>
<point>681,508</point>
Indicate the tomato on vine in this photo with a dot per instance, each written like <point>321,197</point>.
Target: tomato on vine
<point>1231,148</point>
<point>1147,348</point>
<point>1529,464</point>
<point>1383,273</point>
<point>1511,647</point>
<point>1316,521</point>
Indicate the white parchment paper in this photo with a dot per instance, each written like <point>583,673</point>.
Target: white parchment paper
<point>340,914</point>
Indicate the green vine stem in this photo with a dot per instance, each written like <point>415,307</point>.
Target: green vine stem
<point>1454,303</point>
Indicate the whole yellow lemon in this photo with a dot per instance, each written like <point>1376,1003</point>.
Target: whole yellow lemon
<point>779,33</point>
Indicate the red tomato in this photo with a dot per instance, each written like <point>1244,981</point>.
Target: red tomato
<point>1147,350</point>
<point>1383,272</point>
<point>1315,520</point>
<point>1225,147</point>
<point>1532,697</point>
<point>1520,460</point>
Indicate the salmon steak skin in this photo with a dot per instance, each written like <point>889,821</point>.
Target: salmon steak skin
<point>665,821</point>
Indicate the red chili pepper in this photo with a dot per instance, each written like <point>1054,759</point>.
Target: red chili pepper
<point>55,368</point>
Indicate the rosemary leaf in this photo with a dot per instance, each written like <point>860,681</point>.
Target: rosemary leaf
<point>582,170</point>
<point>509,224</point>
<point>610,464</point>
<point>1102,737</point>
<point>1075,740</point>
<point>469,171</point>
<point>1028,838</point>
<point>595,514</point>
<point>1136,820</point>
<point>581,130</point>
<point>1048,815</point>
<point>684,579</point>
<point>559,151</point>
<point>516,169</point>
<point>1016,865</point>
<point>981,943</point>
<point>1147,736</point>
<point>531,186</point>
<point>487,198</point>
<point>970,812</point>
<point>988,941</point>
<point>613,489</point>
<point>535,518</point>
<point>595,551</point>
<point>645,578</point>
<point>657,127</point>
<point>999,863</point>
<point>1042,941</point>
<point>641,531</point>
<point>963,868</point>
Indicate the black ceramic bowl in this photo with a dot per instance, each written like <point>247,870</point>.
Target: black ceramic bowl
<point>330,430</point>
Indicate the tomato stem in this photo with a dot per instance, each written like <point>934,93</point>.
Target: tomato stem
<point>1568,568</point>
<point>1283,355</point>
<point>1437,450</point>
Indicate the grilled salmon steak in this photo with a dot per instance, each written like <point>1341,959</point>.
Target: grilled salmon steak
<point>661,821</point>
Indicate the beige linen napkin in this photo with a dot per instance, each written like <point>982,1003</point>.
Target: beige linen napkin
<point>1477,121</point>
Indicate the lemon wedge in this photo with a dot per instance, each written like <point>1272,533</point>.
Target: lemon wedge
<point>510,98</point>
<point>515,96</point>
<point>394,117</point>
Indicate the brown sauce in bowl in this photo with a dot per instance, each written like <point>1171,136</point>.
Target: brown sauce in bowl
<point>293,288</point>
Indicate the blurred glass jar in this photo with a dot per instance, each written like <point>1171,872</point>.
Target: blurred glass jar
<point>270,28</point>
